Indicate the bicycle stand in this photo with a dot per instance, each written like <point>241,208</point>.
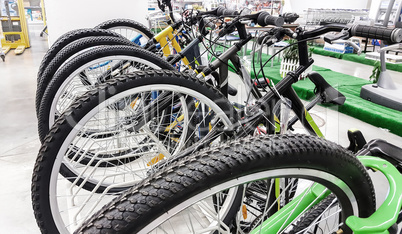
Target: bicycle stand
<point>385,92</point>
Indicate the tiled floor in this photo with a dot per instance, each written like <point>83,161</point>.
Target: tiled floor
<point>19,143</point>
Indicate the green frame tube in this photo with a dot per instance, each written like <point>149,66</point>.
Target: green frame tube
<point>281,219</point>
<point>386,215</point>
<point>379,222</point>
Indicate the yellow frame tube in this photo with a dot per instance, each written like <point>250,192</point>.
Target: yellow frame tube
<point>161,38</point>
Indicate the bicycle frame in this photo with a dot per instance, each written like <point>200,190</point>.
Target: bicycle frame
<point>379,222</point>
<point>267,101</point>
<point>168,35</point>
<point>262,110</point>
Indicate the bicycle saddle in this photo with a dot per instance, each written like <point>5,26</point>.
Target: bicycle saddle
<point>327,92</point>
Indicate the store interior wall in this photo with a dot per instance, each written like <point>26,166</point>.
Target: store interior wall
<point>299,6</point>
<point>63,16</point>
<point>375,4</point>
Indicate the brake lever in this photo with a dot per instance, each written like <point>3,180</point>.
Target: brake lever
<point>288,32</point>
<point>248,21</point>
<point>343,35</point>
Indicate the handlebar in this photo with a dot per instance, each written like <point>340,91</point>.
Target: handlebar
<point>221,11</point>
<point>264,19</point>
<point>261,18</point>
<point>390,35</point>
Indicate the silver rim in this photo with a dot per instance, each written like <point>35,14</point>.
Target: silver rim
<point>194,219</point>
<point>72,87</point>
<point>130,33</point>
<point>70,203</point>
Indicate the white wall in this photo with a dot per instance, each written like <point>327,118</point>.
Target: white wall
<point>375,4</point>
<point>298,6</point>
<point>63,16</point>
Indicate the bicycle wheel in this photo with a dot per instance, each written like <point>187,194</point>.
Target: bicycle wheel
<point>76,172</point>
<point>67,38</point>
<point>85,71</point>
<point>69,51</point>
<point>178,199</point>
<point>130,29</point>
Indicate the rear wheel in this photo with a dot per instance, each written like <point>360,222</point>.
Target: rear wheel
<point>179,199</point>
<point>140,120</point>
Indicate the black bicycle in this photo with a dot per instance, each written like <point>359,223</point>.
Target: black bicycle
<point>137,137</point>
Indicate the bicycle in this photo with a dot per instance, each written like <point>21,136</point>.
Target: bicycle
<point>78,41</point>
<point>52,85</point>
<point>279,153</point>
<point>126,90</point>
<point>331,169</point>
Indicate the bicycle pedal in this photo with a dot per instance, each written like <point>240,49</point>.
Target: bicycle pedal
<point>356,139</point>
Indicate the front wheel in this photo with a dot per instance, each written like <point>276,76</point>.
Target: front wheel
<point>113,136</point>
<point>180,199</point>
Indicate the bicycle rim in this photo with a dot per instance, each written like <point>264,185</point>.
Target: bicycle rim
<point>194,215</point>
<point>130,33</point>
<point>111,160</point>
<point>87,76</point>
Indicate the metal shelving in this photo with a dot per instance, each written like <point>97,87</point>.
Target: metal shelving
<point>395,15</point>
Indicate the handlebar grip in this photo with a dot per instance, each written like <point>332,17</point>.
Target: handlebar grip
<point>212,12</point>
<point>390,35</point>
<point>221,11</point>
<point>265,19</point>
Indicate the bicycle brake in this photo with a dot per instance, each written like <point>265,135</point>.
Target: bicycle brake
<point>343,35</point>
